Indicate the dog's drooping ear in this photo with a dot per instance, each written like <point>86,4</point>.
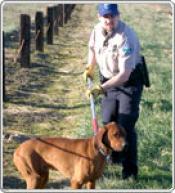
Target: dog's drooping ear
<point>99,140</point>
<point>101,134</point>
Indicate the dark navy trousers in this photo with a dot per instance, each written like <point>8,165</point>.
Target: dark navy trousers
<point>121,104</point>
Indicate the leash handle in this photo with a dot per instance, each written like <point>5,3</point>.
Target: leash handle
<point>94,118</point>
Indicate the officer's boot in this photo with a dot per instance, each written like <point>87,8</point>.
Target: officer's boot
<point>130,168</point>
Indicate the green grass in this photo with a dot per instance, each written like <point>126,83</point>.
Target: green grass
<point>49,98</point>
<point>13,10</point>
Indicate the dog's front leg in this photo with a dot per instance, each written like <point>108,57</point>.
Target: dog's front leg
<point>90,185</point>
<point>75,184</point>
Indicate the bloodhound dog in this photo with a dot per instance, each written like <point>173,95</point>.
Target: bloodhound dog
<point>81,160</point>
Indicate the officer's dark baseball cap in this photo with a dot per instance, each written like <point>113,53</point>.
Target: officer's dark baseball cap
<point>105,9</point>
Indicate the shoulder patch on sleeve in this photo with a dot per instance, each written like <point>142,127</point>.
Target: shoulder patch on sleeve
<point>127,50</point>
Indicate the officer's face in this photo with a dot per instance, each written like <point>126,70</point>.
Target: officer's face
<point>108,22</point>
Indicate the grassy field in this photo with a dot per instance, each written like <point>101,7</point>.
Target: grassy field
<point>49,98</point>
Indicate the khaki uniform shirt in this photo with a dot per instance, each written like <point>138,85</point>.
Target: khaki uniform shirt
<point>122,51</point>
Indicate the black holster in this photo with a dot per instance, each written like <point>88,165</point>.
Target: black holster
<point>144,71</point>
<point>140,74</point>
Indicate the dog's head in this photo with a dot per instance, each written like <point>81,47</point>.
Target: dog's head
<point>111,136</point>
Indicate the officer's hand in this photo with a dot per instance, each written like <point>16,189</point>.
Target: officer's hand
<point>95,91</point>
<point>89,72</point>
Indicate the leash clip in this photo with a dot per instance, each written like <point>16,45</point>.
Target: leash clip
<point>108,159</point>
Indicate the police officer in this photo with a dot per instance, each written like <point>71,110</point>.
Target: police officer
<point>114,46</point>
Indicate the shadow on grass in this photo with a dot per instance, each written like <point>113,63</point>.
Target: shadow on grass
<point>165,105</point>
<point>51,70</point>
<point>147,104</point>
<point>35,80</point>
<point>62,184</point>
<point>12,182</point>
<point>161,178</point>
<point>25,118</point>
<point>38,65</point>
<point>11,38</point>
<point>51,106</point>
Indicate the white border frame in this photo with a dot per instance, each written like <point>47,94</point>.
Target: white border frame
<point>172,3</point>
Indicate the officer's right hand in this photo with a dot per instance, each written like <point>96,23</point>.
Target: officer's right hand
<point>89,72</point>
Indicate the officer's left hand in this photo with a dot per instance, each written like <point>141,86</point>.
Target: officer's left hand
<point>95,91</point>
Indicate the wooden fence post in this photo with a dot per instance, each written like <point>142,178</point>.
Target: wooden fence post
<point>69,11</point>
<point>65,13</point>
<point>39,31</point>
<point>50,16</point>
<point>60,7</point>
<point>25,40</point>
<point>72,6</point>
<point>68,8</point>
<point>56,17</point>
